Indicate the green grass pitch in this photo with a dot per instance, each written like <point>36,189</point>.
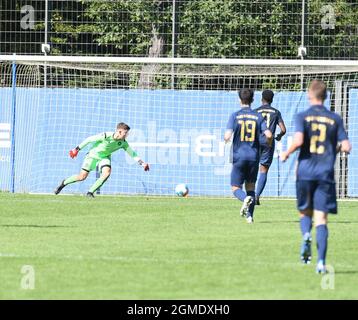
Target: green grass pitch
<point>167,248</point>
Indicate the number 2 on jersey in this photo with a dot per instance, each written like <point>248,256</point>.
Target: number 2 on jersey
<point>316,138</point>
<point>248,129</point>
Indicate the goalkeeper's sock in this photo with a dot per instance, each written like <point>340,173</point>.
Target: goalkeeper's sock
<point>70,180</point>
<point>97,184</point>
<point>240,194</point>
<point>261,183</point>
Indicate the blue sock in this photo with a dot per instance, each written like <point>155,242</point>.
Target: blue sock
<point>240,194</point>
<point>306,224</point>
<point>252,205</point>
<point>261,183</point>
<point>322,239</point>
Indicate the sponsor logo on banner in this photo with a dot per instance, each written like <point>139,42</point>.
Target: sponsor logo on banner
<point>5,137</point>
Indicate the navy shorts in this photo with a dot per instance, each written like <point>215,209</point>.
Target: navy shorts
<point>266,156</point>
<point>316,195</point>
<point>244,171</point>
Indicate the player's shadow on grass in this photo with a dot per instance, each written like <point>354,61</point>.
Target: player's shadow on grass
<point>346,272</point>
<point>32,226</point>
<point>278,222</point>
<point>344,222</point>
<point>294,221</point>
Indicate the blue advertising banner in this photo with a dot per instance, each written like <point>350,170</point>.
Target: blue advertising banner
<point>179,132</point>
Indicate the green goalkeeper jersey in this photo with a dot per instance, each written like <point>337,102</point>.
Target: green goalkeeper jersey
<point>104,145</point>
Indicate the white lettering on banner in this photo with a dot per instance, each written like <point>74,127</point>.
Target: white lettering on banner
<point>222,145</point>
<point>5,138</point>
<point>201,145</point>
<point>289,141</point>
<point>4,158</point>
<point>191,146</point>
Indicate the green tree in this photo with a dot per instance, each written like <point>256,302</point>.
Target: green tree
<point>207,28</point>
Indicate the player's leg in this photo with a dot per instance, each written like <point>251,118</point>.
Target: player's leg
<point>320,219</point>
<point>305,191</point>
<point>238,175</point>
<point>88,165</point>
<point>306,227</point>
<point>244,197</point>
<point>265,163</point>
<point>261,182</point>
<point>250,181</point>
<point>237,181</point>
<point>324,202</point>
<point>105,169</point>
<point>250,190</point>
<point>238,192</point>
<point>75,178</point>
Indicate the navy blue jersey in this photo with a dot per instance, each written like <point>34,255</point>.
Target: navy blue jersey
<point>247,126</point>
<point>322,130</point>
<point>271,115</point>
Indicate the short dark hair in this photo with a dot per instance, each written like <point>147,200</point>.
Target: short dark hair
<point>267,95</point>
<point>123,125</point>
<point>246,96</point>
<point>319,89</point>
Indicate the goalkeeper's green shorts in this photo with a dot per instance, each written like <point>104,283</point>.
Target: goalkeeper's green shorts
<point>89,164</point>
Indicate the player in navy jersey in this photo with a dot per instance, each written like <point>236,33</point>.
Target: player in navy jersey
<point>273,119</point>
<point>319,136</point>
<point>246,125</point>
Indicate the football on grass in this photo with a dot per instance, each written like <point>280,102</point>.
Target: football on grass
<point>181,190</point>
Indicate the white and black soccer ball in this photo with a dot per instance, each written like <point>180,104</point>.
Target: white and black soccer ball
<point>181,190</point>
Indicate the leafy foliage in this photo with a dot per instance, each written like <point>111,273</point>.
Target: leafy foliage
<point>205,28</point>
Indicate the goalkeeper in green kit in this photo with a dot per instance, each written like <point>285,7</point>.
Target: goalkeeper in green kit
<point>104,145</point>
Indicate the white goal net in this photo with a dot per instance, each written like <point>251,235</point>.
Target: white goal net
<point>177,110</point>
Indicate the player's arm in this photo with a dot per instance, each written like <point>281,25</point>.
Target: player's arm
<point>296,144</point>
<point>84,143</point>
<point>228,135</point>
<point>263,128</point>
<point>282,126</point>
<point>268,135</point>
<point>298,139</point>
<point>344,144</point>
<point>133,154</point>
<point>229,128</point>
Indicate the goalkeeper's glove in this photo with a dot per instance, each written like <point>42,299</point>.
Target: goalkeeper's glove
<point>74,152</point>
<point>144,165</point>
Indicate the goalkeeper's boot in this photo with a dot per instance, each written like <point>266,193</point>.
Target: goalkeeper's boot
<point>245,206</point>
<point>60,187</point>
<point>306,249</point>
<point>321,267</point>
<point>90,195</point>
